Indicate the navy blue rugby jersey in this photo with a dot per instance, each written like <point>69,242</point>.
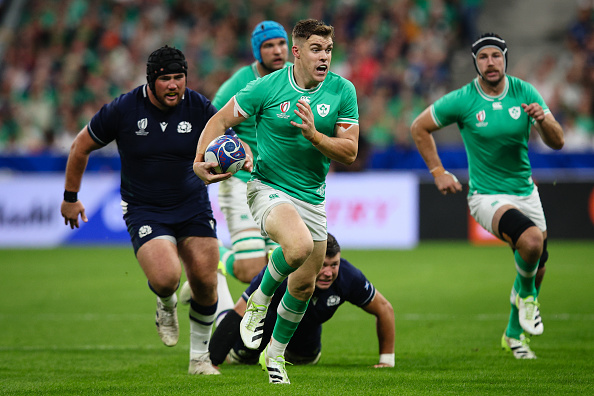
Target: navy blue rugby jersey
<point>157,149</point>
<point>350,285</point>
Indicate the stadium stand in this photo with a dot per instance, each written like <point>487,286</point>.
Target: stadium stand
<point>62,60</point>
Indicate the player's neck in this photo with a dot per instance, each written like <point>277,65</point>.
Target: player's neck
<point>262,71</point>
<point>490,89</point>
<point>303,79</point>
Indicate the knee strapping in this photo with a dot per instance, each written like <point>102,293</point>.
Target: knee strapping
<point>513,223</point>
<point>248,244</point>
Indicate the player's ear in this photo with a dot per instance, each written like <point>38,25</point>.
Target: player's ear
<point>295,51</point>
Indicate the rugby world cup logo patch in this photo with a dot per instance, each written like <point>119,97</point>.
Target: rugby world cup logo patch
<point>481,116</point>
<point>284,107</point>
<point>142,124</point>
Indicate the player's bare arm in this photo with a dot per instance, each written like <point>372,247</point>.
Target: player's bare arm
<point>343,147</point>
<point>225,118</point>
<point>381,308</point>
<point>547,126</point>
<point>80,150</point>
<point>421,129</point>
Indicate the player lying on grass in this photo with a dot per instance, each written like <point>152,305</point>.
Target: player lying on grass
<point>338,281</point>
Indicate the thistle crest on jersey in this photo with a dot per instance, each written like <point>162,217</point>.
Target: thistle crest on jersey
<point>228,152</point>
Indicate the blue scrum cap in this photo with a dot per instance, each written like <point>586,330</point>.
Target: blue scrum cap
<point>489,40</point>
<point>265,31</point>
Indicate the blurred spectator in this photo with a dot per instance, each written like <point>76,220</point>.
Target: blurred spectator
<point>72,56</point>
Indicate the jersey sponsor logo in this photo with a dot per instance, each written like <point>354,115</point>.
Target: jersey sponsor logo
<point>306,98</point>
<point>212,224</point>
<point>145,230</point>
<point>142,124</point>
<point>284,107</point>
<point>163,126</point>
<point>481,116</point>
<point>323,109</point>
<point>184,127</point>
<point>515,112</point>
<point>333,300</point>
<point>273,196</point>
<point>497,106</point>
<point>314,300</point>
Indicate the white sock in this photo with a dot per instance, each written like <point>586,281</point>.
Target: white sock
<point>199,339</point>
<point>261,298</point>
<point>170,301</point>
<point>225,300</point>
<point>275,348</point>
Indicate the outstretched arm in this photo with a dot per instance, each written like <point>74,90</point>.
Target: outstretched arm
<point>78,158</point>
<point>386,329</point>
<point>421,130</point>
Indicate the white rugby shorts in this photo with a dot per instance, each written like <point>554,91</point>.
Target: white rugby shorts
<point>483,207</point>
<point>262,198</point>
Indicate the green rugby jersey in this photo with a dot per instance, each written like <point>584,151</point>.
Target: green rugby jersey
<point>495,131</point>
<point>286,160</point>
<point>247,129</point>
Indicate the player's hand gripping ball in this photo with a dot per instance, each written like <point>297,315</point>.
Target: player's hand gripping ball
<point>228,152</point>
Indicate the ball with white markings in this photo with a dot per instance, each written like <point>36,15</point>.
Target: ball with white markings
<point>228,152</point>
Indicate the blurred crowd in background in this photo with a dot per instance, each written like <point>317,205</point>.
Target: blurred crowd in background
<point>67,58</point>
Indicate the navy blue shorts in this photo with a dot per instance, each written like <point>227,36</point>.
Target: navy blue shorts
<point>142,227</point>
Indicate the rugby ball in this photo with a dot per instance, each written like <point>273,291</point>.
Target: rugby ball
<point>228,152</point>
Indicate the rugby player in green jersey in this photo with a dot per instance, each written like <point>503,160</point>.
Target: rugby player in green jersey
<point>248,255</point>
<point>495,113</point>
<point>306,117</point>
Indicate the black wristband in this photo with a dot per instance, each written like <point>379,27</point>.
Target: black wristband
<point>70,196</point>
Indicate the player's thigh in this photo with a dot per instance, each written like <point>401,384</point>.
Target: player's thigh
<point>487,209</point>
<point>292,218</point>
<point>276,215</point>
<point>484,207</point>
<point>200,256</point>
<point>155,247</point>
<point>531,206</point>
<point>159,261</point>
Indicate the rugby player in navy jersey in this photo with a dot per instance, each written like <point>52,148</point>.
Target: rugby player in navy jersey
<point>166,207</point>
<point>338,281</point>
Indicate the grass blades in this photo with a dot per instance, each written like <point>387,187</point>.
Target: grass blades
<point>80,321</point>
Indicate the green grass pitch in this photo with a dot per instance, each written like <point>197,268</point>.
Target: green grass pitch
<point>79,321</point>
